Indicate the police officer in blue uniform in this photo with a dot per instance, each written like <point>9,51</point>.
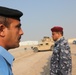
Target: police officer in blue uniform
<point>10,35</point>
<point>61,61</point>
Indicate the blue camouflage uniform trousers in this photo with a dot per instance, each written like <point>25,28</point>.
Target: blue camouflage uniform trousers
<point>61,61</point>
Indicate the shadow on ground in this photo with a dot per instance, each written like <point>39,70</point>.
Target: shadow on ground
<point>46,69</point>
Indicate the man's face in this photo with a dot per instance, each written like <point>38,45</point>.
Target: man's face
<point>55,35</point>
<point>13,34</point>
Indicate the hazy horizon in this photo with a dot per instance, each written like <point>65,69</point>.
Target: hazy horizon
<point>41,15</point>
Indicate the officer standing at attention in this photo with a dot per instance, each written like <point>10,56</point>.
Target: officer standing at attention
<point>61,63</point>
<point>10,35</point>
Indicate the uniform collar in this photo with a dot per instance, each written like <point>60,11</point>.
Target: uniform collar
<point>59,39</point>
<point>7,56</point>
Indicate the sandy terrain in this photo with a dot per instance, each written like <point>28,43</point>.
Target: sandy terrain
<point>73,51</point>
<point>29,63</point>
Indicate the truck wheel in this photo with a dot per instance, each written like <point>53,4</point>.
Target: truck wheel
<point>35,49</point>
<point>51,48</point>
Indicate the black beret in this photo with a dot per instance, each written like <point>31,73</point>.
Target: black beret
<point>11,13</point>
<point>57,29</point>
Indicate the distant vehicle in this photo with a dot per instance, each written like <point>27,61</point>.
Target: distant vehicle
<point>44,45</point>
<point>74,42</point>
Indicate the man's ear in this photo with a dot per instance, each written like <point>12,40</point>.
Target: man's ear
<point>2,27</point>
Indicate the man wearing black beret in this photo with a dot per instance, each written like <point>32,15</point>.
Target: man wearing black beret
<point>10,35</point>
<point>61,63</point>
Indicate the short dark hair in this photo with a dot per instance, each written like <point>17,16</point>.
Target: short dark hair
<point>5,21</point>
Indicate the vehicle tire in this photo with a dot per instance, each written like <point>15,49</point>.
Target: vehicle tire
<point>51,48</point>
<point>35,49</point>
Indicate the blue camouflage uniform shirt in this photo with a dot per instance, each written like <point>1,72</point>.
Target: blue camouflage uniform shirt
<point>61,63</point>
<point>6,60</point>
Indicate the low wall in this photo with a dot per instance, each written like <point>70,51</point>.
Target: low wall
<point>28,43</point>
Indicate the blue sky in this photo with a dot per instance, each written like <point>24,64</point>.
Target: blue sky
<point>41,15</point>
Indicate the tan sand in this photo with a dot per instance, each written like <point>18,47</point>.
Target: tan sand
<point>29,63</point>
<point>73,51</point>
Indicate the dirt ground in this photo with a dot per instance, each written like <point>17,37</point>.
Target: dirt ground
<point>29,63</point>
<point>73,51</point>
